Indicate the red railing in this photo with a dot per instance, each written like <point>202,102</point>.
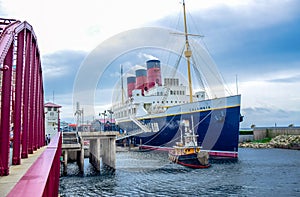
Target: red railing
<point>22,96</point>
<point>42,178</point>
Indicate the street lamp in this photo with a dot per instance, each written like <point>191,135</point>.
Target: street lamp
<point>111,113</point>
<point>104,114</point>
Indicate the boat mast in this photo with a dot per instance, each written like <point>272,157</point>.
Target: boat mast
<point>187,54</point>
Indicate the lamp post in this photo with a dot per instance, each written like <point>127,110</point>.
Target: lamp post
<point>104,114</point>
<point>111,113</point>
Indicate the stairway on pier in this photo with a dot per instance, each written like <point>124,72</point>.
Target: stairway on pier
<point>70,138</point>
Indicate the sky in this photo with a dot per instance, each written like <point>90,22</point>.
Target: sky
<point>255,42</point>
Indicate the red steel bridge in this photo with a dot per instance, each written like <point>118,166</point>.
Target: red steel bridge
<point>22,115</point>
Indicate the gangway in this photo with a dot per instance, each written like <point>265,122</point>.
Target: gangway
<point>133,133</point>
<point>144,127</point>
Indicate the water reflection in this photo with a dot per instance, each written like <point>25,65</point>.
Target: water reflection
<point>256,173</point>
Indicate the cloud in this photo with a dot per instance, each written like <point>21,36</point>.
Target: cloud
<point>59,71</point>
<point>1,8</point>
<point>147,56</point>
<point>269,94</point>
<point>287,79</point>
<point>257,40</point>
<point>63,61</point>
<point>261,116</point>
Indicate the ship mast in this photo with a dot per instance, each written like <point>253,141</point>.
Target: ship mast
<point>122,86</point>
<point>187,54</point>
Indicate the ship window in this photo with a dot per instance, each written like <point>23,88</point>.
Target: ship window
<point>166,101</point>
<point>175,101</point>
<point>162,101</point>
<point>153,102</point>
<point>55,109</point>
<point>157,101</point>
<point>49,108</point>
<point>171,101</point>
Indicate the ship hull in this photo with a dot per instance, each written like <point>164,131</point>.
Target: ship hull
<point>190,160</point>
<point>217,127</point>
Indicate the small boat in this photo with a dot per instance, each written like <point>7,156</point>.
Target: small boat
<point>188,153</point>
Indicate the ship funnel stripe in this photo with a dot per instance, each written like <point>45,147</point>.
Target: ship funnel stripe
<point>153,73</point>
<point>141,72</point>
<point>153,64</point>
<point>131,80</point>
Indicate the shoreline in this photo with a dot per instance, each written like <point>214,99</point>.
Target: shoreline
<point>280,141</point>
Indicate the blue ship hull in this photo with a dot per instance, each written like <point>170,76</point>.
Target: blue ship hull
<point>217,130</point>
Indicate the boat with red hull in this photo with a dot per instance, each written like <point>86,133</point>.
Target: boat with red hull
<point>187,152</point>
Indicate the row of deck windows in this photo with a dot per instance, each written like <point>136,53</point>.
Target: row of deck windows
<point>172,92</point>
<point>178,92</point>
<point>169,101</point>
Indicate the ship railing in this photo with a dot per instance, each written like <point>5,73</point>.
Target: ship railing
<point>140,124</point>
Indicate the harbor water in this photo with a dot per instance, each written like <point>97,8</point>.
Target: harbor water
<point>257,172</point>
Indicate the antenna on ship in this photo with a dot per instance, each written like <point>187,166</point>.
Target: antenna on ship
<point>187,53</point>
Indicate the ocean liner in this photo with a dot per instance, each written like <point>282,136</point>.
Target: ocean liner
<point>158,109</point>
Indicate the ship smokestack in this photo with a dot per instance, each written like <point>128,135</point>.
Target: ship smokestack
<point>141,80</point>
<point>130,85</point>
<point>153,73</point>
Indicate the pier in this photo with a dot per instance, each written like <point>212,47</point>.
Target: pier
<point>101,147</point>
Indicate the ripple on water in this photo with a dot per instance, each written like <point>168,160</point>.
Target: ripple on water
<point>256,173</point>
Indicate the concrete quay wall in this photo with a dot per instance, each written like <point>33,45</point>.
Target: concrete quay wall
<point>245,138</point>
<point>264,132</point>
<point>98,146</point>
